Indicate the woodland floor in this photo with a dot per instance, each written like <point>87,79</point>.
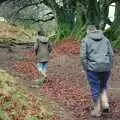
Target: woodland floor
<point>67,86</point>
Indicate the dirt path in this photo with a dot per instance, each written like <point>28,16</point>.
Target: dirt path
<point>68,87</point>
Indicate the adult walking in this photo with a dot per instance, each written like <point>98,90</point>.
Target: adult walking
<point>97,58</point>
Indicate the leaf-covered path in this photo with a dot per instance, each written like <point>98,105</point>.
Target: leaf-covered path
<point>67,84</point>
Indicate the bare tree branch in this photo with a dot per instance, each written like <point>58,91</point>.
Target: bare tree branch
<point>51,3</point>
<point>50,13</point>
<point>36,20</point>
<point>27,5</point>
<point>2,1</point>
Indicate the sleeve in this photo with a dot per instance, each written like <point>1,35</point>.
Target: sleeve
<point>49,47</point>
<point>36,46</point>
<point>83,54</point>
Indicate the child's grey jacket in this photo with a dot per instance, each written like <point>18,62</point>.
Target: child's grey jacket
<point>96,52</point>
<point>42,47</point>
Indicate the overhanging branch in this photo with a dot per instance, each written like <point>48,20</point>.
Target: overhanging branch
<point>27,5</point>
<point>51,3</point>
<point>36,20</point>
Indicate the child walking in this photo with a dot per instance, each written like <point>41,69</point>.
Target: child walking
<point>97,57</point>
<point>42,48</point>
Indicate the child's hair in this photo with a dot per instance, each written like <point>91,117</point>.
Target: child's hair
<point>41,33</point>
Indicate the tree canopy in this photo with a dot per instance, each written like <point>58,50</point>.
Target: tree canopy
<point>71,16</point>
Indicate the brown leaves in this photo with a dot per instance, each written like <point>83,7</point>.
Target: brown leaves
<point>67,83</point>
<point>22,106</point>
<point>68,47</point>
<point>28,69</point>
<point>72,98</point>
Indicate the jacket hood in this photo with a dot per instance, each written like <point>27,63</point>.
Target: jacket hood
<point>95,35</point>
<point>43,39</point>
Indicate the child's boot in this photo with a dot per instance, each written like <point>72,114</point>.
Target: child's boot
<point>45,75</point>
<point>104,100</point>
<point>96,112</point>
<point>39,81</point>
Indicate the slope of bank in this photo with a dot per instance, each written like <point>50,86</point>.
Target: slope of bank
<point>14,34</point>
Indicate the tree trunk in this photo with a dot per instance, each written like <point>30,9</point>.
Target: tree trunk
<point>65,17</point>
<point>80,23</point>
<point>116,26</point>
<point>93,13</point>
<point>104,11</point>
<point>117,15</point>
